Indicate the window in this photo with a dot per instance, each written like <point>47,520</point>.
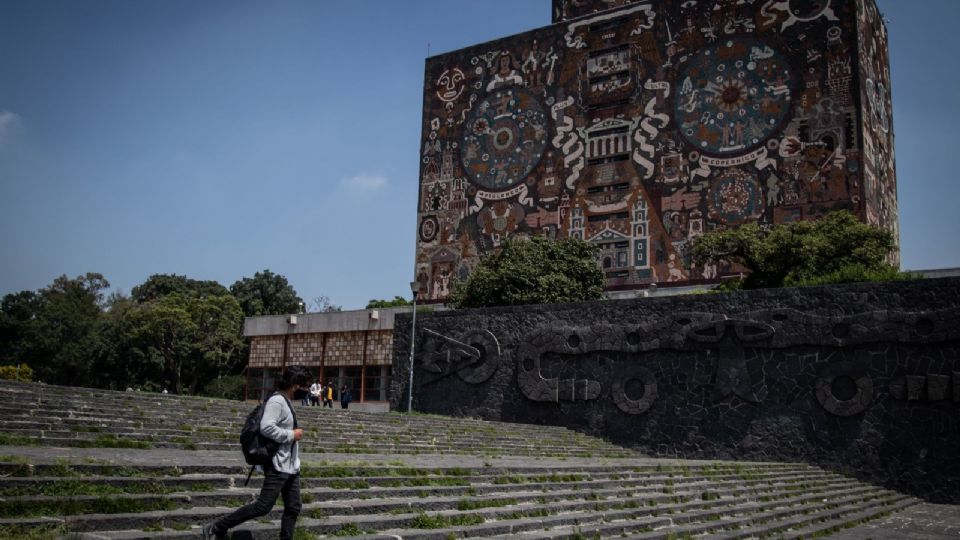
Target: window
<point>378,379</point>
<point>254,384</point>
<point>351,379</point>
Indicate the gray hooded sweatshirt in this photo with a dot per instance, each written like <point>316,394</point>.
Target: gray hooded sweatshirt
<point>277,424</point>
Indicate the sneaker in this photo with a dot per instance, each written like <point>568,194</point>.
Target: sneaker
<point>208,533</point>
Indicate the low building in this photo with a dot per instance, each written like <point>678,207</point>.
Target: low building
<point>347,348</point>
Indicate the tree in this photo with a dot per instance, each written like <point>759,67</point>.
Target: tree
<point>396,302</point>
<point>183,342</point>
<point>162,332</point>
<point>160,285</point>
<point>18,326</point>
<point>54,329</point>
<point>322,304</point>
<point>266,293</point>
<point>834,249</point>
<point>117,364</point>
<point>534,271</point>
<point>219,322</point>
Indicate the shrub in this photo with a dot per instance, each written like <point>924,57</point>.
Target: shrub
<point>20,372</point>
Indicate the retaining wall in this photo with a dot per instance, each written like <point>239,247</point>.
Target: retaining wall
<point>863,378</point>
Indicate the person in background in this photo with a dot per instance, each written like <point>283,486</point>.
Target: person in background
<point>328,395</point>
<point>345,397</point>
<point>316,390</point>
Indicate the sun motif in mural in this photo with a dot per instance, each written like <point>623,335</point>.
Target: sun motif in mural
<point>733,96</point>
<point>504,138</point>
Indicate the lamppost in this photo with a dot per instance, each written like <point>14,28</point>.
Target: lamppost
<point>414,288</point>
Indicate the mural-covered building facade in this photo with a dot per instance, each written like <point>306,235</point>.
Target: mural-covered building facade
<point>639,126</point>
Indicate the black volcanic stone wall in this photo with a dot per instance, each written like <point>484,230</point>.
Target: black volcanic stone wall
<point>862,378</point>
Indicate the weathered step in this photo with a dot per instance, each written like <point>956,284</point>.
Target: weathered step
<point>557,500</point>
<point>339,514</point>
<point>826,525</point>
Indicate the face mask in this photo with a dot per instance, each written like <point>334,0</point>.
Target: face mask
<point>300,394</point>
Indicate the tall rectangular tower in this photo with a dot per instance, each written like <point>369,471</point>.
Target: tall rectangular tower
<point>640,125</point>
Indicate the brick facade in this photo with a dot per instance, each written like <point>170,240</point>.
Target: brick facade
<point>342,349</point>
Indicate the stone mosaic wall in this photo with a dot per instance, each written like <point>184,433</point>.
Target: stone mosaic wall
<point>304,349</point>
<point>380,348</point>
<point>266,351</point>
<point>860,378</point>
<point>642,127</point>
<point>342,349</point>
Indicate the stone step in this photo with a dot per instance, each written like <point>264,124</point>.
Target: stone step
<point>509,480</point>
<point>707,521</point>
<point>205,434</point>
<point>700,470</point>
<point>826,525</point>
<point>205,425</point>
<point>231,444</point>
<point>561,498</point>
<point>784,524</point>
<point>510,522</point>
<point>487,488</point>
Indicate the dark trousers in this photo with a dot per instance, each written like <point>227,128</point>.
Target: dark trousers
<point>287,486</point>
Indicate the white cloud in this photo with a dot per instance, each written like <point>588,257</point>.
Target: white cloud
<point>364,182</point>
<point>8,121</point>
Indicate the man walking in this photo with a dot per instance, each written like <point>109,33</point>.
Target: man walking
<point>282,476</point>
<point>315,393</point>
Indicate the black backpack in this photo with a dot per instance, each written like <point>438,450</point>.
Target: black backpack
<point>257,448</point>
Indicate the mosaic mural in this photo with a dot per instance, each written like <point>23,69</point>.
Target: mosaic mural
<point>564,10</point>
<point>639,126</point>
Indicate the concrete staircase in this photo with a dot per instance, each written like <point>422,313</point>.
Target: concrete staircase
<point>422,477</point>
<point>80,417</point>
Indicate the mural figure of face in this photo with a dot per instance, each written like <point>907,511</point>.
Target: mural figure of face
<point>450,85</point>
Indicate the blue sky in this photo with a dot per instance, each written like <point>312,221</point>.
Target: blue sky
<point>219,138</point>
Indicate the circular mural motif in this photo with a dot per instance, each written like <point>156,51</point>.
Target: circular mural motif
<point>733,96</point>
<point>734,197</point>
<point>637,404</point>
<point>429,228</point>
<point>504,138</point>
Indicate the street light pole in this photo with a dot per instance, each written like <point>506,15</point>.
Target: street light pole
<point>414,287</point>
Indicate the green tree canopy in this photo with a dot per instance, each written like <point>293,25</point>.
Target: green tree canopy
<point>54,329</point>
<point>266,293</point>
<point>160,285</point>
<point>534,271</point>
<point>178,333</point>
<point>183,342</point>
<point>396,302</point>
<point>837,248</point>
<point>18,326</point>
